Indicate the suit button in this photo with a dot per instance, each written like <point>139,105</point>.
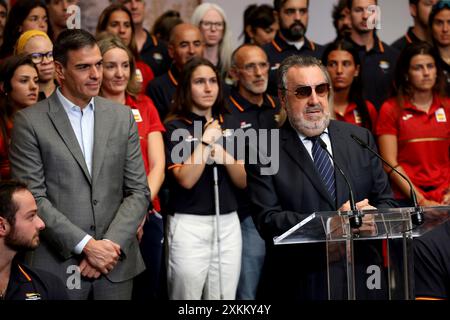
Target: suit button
<point>95,202</point>
<point>92,228</point>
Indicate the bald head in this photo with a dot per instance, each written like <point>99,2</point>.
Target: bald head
<point>245,51</point>
<point>180,30</point>
<point>185,43</point>
<point>250,67</point>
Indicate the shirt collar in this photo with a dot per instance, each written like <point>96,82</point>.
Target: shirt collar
<point>378,45</point>
<point>411,37</point>
<point>174,74</point>
<point>436,104</point>
<point>281,43</point>
<point>19,273</point>
<point>191,117</point>
<point>349,109</point>
<point>303,137</point>
<point>69,105</point>
<point>242,104</point>
<point>131,101</point>
<point>297,44</point>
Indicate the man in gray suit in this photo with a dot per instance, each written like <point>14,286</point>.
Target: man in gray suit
<point>81,158</point>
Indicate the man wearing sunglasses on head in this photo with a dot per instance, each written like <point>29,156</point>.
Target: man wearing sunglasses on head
<point>306,182</point>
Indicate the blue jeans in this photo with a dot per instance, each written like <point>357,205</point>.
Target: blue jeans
<point>253,254</point>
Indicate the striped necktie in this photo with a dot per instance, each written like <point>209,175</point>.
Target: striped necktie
<point>324,166</point>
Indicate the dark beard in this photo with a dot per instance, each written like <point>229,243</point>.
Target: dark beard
<point>345,32</point>
<point>17,244</point>
<point>295,32</point>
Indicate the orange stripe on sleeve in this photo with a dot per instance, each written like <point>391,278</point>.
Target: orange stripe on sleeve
<point>154,40</point>
<point>172,78</point>
<point>174,166</point>
<point>271,101</point>
<point>24,273</point>
<point>277,47</point>
<point>236,104</point>
<point>408,39</point>
<point>380,45</point>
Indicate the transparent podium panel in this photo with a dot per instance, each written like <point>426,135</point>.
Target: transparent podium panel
<point>372,262</point>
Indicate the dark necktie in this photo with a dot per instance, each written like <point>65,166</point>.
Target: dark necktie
<point>324,166</point>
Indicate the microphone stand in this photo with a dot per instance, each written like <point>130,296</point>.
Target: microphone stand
<point>355,217</point>
<point>217,214</point>
<point>417,217</point>
<point>355,220</point>
<point>217,209</point>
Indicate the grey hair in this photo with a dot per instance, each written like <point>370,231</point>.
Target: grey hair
<point>225,46</point>
<point>303,62</point>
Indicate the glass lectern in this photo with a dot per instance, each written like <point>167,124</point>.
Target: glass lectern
<point>372,262</point>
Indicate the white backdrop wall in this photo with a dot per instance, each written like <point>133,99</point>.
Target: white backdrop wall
<point>395,18</point>
<point>394,15</point>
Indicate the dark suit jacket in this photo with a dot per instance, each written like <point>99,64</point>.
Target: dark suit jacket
<point>110,204</point>
<point>288,196</point>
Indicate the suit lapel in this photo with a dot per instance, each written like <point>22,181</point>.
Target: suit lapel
<point>60,120</point>
<point>340,154</point>
<point>297,151</point>
<point>102,128</point>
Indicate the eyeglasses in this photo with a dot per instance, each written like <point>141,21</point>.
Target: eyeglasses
<point>39,57</point>
<point>303,92</point>
<point>251,67</point>
<point>210,24</point>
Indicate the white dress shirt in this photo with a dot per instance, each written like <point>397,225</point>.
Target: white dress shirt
<point>82,121</point>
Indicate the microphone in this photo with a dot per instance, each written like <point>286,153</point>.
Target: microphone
<point>355,220</point>
<point>417,217</point>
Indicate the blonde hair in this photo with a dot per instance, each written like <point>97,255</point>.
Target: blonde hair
<point>106,42</point>
<point>25,37</point>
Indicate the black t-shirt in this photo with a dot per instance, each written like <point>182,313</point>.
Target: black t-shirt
<point>432,263</point>
<point>154,53</point>
<point>246,116</point>
<point>162,91</point>
<point>199,199</point>
<point>378,67</point>
<point>406,40</point>
<point>446,71</point>
<point>27,283</point>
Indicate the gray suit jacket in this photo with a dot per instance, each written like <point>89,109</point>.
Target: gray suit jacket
<point>45,153</point>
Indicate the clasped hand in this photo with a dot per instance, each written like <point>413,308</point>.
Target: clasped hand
<point>212,133</point>
<point>101,256</point>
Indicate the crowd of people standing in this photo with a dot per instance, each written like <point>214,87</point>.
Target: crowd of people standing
<point>121,136</point>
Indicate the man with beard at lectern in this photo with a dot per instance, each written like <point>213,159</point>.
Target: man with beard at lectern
<point>299,272</point>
